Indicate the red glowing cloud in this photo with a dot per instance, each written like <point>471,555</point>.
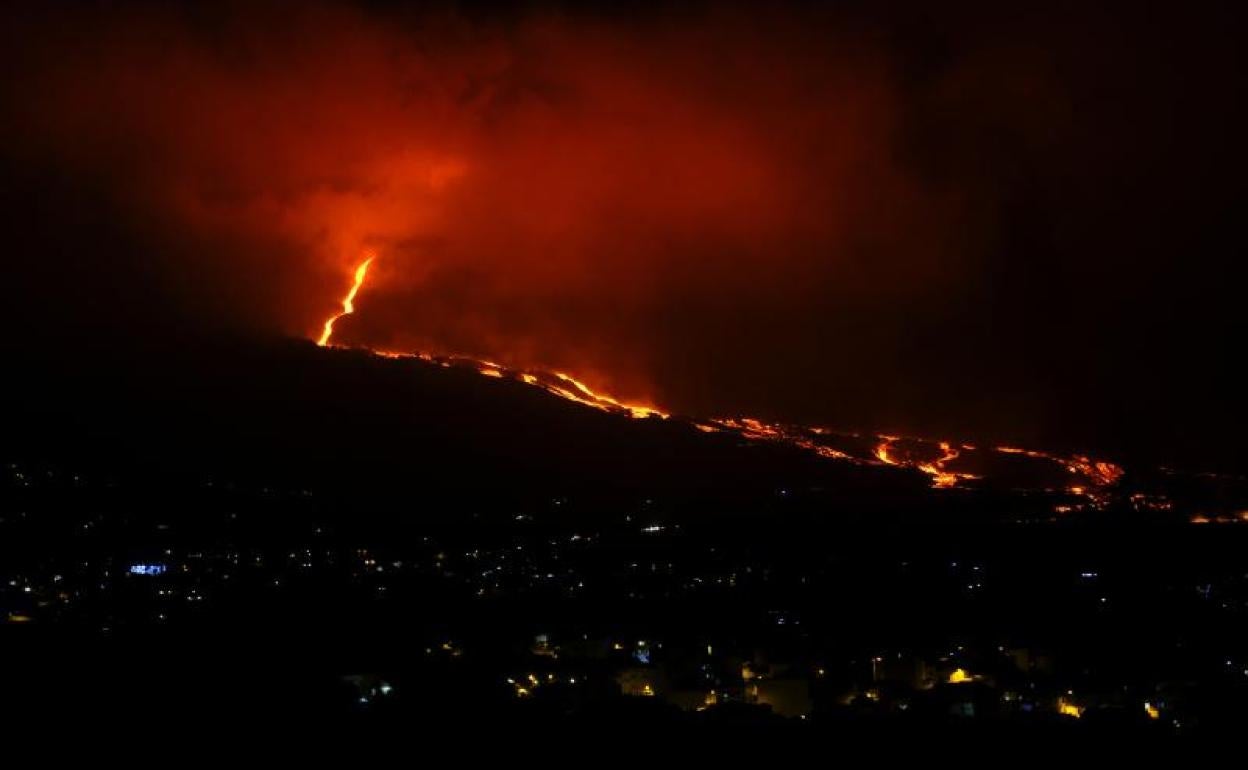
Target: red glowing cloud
<point>872,215</point>
<point>539,192</point>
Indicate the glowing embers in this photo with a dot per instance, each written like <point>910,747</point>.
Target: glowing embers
<point>1101,474</point>
<point>1220,518</point>
<point>348,302</point>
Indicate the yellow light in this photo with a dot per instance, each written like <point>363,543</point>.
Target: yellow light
<point>959,676</point>
<point>348,302</point>
<point>1068,709</point>
<point>1152,711</point>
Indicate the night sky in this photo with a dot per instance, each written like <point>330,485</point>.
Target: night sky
<point>1000,221</point>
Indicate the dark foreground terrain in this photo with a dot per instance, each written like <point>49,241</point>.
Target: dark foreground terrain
<point>323,535</point>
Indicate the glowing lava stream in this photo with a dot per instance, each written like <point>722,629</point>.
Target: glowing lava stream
<point>560,384</point>
<point>348,302</point>
<point>941,478</point>
<point>1095,477</point>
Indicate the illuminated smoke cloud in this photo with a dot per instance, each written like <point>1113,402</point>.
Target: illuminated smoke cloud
<point>543,191</point>
<point>847,216</point>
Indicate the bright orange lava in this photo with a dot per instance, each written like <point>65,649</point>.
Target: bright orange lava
<point>561,384</point>
<point>583,394</point>
<point>941,477</point>
<point>929,457</point>
<point>348,302</point>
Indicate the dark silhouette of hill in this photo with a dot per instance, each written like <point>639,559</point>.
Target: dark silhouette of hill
<point>351,423</point>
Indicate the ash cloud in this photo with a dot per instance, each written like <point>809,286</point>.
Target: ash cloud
<point>957,222</point>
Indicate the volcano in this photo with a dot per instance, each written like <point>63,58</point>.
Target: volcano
<point>374,429</point>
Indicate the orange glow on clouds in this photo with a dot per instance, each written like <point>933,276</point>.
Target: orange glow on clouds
<point>817,211</point>
<point>541,188</point>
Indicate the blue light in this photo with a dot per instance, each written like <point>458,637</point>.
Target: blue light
<point>147,569</point>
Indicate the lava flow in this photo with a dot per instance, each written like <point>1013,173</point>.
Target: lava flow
<point>558,383</point>
<point>1092,479</point>
<point>943,478</point>
<point>1098,472</point>
<point>581,393</point>
<point>348,302</point>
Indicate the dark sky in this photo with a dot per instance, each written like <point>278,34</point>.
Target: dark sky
<point>1014,221</point>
